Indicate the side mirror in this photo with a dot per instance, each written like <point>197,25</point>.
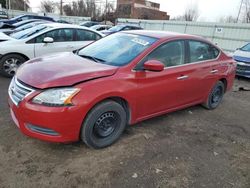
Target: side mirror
<point>153,65</point>
<point>48,40</point>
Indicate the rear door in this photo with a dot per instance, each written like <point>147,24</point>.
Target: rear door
<point>204,57</point>
<point>63,42</point>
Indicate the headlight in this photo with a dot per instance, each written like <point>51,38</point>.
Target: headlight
<point>56,97</point>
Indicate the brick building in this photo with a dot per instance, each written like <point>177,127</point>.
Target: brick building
<point>140,9</point>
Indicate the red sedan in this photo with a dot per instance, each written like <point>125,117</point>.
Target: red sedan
<point>121,79</point>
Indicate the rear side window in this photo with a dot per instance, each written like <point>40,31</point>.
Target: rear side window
<point>170,54</point>
<point>85,35</point>
<point>201,51</point>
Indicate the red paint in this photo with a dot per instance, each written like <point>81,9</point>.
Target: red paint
<point>153,65</point>
<point>147,93</point>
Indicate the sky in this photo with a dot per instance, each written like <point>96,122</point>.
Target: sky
<point>209,10</point>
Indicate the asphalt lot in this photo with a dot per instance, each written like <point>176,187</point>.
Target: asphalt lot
<point>189,148</point>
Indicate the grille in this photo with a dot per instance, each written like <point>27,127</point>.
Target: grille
<point>241,67</point>
<point>18,91</point>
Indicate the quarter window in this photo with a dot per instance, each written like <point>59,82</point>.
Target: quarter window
<point>85,35</point>
<point>200,51</point>
<point>170,54</point>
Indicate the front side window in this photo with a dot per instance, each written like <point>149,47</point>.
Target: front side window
<point>59,35</point>
<point>201,51</point>
<point>118,49</point>
<point>170,54</point>
<point>85,35</point>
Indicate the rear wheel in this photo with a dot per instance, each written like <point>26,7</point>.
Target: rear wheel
<point>215,96</point>
<point>104,124</point>
<point>10,63</point>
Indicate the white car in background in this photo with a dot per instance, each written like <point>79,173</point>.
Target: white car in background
<point>242,57</point>
<point>101,27</point>
<point>41,40</point>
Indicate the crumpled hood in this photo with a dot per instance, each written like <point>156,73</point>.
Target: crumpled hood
<point>61,69</point>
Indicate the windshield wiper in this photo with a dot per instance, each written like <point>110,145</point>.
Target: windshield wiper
<point>98,60</point>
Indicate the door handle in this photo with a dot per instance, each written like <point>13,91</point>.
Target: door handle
<point>214,71</point>
<point>182,77</point>
<point>69,46</point>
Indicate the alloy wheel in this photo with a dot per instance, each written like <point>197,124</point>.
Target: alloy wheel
<point>11,65</point>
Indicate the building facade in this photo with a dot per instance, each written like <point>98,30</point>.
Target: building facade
<point>140,9</point>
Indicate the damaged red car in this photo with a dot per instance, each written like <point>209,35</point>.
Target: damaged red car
<point>122,79</point>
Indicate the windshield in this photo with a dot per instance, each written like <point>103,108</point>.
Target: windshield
<point>27,26</point>
<point>118,49</point>
<point>96,26</point>
<point>15,18</point>
<point>29,32</point>
<point>21,23</point>
<point>116,28</point>
<point>246,48</point>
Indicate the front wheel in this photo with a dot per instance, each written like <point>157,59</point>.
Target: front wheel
<point>215,96</point>
<point>10,63</point>
<point>104,124</point>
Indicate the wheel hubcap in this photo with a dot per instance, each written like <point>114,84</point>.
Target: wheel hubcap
<point>105,124</point>
<point>11,65</point>
<point>217,95</point>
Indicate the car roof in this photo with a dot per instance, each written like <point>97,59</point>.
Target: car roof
<point>161,34</point>
<point>62,25</point>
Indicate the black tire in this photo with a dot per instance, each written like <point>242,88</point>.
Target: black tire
<point>11,61</point>
<point>96,131</point>
<point>215,96</point>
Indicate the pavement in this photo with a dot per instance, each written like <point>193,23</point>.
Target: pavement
<point>194,147</point>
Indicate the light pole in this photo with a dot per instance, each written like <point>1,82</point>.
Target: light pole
<point>106,10</point>
<point>24,5</point>
<point>61,7</point>
<point>239,11</point>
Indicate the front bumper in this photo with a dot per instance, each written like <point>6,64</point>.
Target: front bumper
<point>243,69</point>
<point>54,124</point>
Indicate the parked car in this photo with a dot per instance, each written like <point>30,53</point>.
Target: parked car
<point>92,95</point>
<point>22,25</point>
<point>3,15</point>
<point>101,27</point>
<point>26,17</point>
<point>4,26</point>
<point>118,28</point>
<point>89,23</point>
<point>242,56</point>
<point>40,40</point>
<point>62,21</point>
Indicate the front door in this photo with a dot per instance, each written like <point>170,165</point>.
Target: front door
<point>63,41</point>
